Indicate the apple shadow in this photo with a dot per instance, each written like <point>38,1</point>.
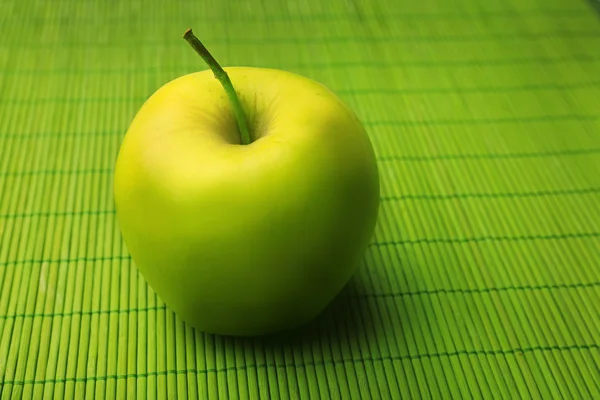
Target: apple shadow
<point>358,326</point>
<point>339,311</point>
<point>348,322</point>
<point>335,324</point>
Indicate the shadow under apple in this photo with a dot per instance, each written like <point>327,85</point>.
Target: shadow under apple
<point>345,332</point>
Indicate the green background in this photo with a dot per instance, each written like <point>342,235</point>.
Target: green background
<point>483,278</point>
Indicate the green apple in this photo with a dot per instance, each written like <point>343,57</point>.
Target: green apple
<point>246,239</point>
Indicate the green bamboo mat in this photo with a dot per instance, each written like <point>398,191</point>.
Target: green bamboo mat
<point>483,278</point>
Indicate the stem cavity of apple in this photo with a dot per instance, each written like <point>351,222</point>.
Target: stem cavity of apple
<point>223,78</point>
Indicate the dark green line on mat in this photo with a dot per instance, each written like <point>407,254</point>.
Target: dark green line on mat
<point>66,260</point>
<point>493,37</point>
<point>487,290</point>
<point>579,235</point>
<point>487,121</point>
<point>582,235</point>
<point>491,156</point>
<point>502,62</point>
<point>390,158</point>
<point>58,214</point>
<point>58,172</point>
<point>299,17</point>
<point>382,123</point>
<point>441,197</point>
<point>427,292</point>
<point>82,313</point>
<point>345,92</point>
<point>458,196</point>
<point>500,352</point>
<point>475,89</point>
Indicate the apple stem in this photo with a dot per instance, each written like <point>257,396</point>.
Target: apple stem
<point>223,78</point>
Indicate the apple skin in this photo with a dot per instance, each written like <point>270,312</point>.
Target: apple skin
<point>254,239</point>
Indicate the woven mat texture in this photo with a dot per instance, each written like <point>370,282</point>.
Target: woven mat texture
<point>483,277</point>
